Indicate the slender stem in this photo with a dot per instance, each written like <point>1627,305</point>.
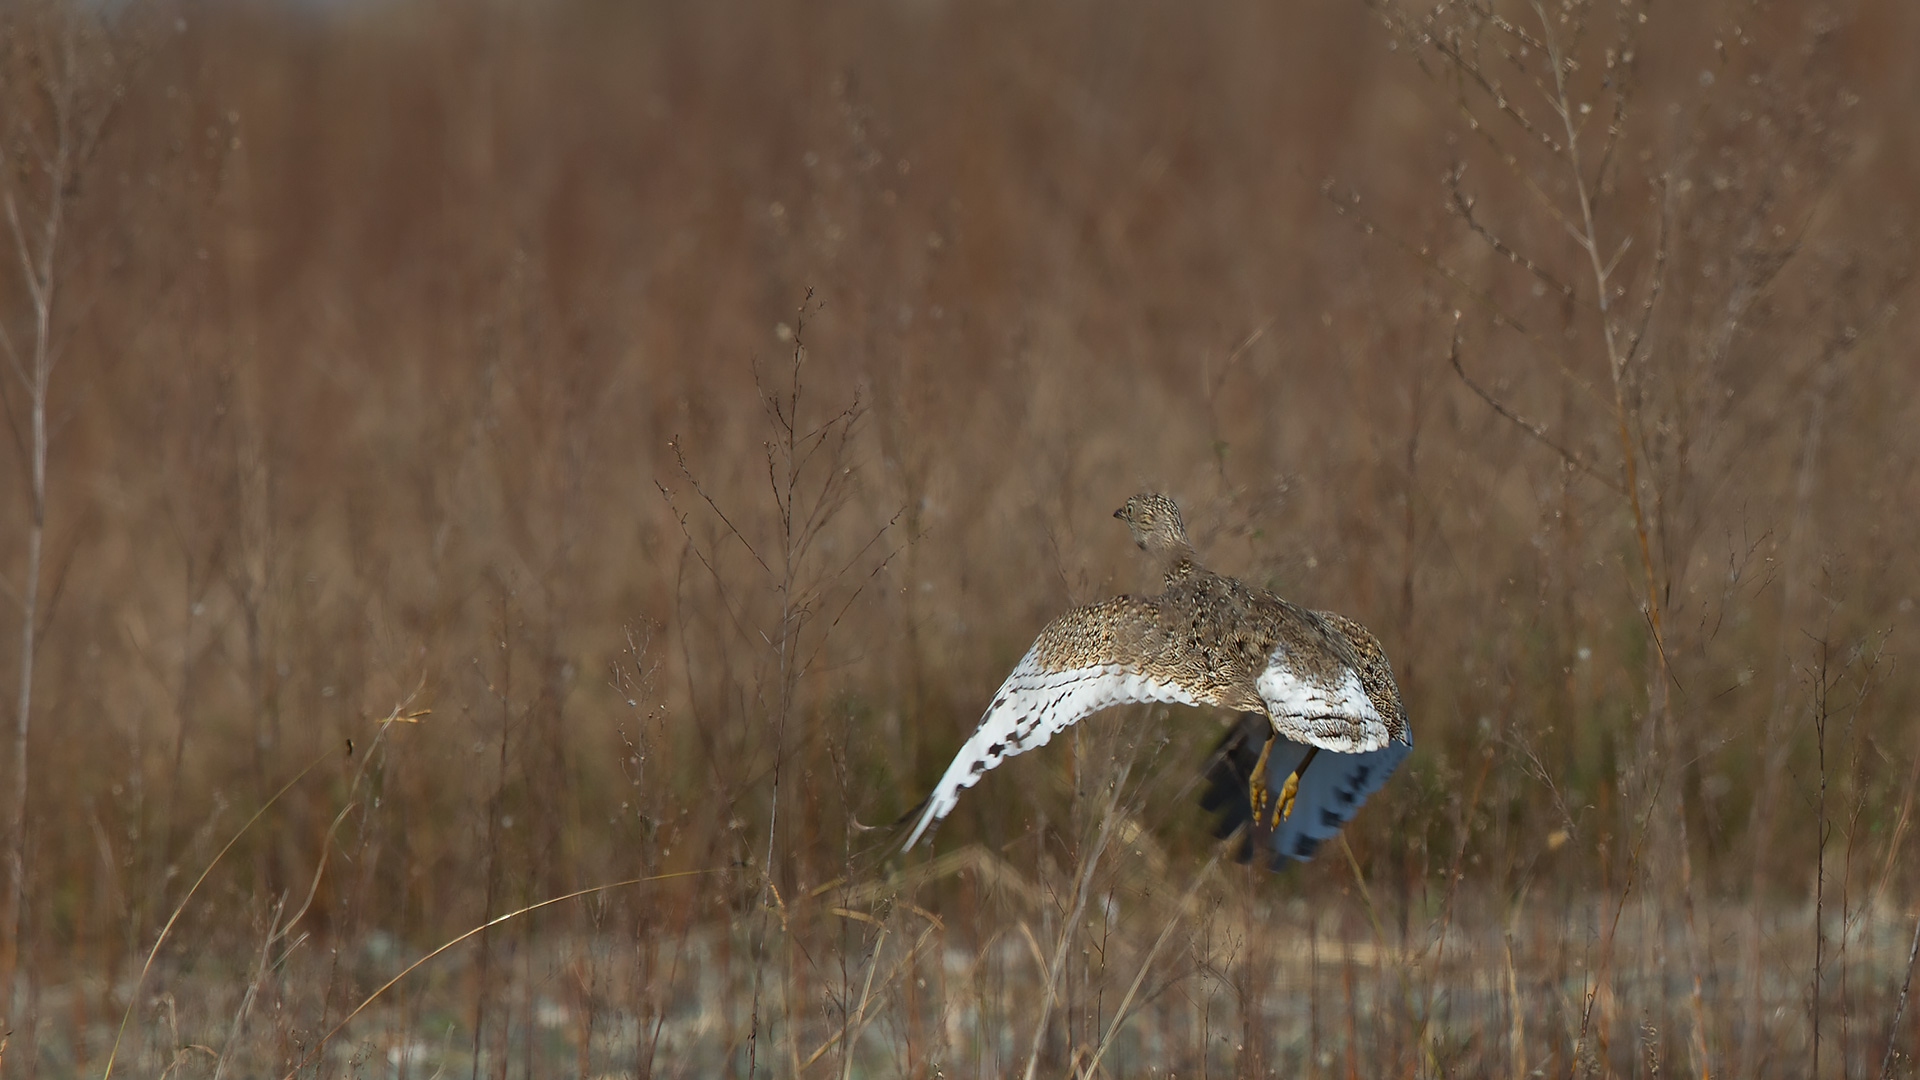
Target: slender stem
<point>1140,977</point>
<point>1820,849</point>
<point>133,997</point>
<point>1588,238</point>
<point>788,419</point>
<point>321,1045</point>
<point>40,281</point>
<point>1080,893</point>
<point>1893,1029</point>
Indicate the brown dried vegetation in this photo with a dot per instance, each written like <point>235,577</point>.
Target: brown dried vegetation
<point>685,415</point>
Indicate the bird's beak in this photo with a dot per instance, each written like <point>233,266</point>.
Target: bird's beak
<point>1121,513</point>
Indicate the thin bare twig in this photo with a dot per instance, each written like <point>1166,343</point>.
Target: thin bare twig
<point>133,996</point>
<point>1082,889</point>
<point>321,1043</point>
<point>1613,928</point>
<point>1348,206</point>
<point>1820,687</point>
<point>1900,1008</point>
<point>680,458</point>
<point>1537,431</point>
<point>1464,204</point>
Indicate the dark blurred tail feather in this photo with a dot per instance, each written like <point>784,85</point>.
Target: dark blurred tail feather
<point>1229,771</point>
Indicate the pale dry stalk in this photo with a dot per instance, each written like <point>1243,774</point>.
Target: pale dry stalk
<point>36,242</point>
<point>1109,818</point>
<point>1587,236</point>
<point>1773,766</point>
<point>1900,1009</point>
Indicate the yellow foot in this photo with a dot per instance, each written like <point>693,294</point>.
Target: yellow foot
<point>1283,805</point>
<point>1257,783</point>
<point>1282,802</point>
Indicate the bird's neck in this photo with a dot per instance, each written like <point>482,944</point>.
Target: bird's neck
<point>1180,564</point>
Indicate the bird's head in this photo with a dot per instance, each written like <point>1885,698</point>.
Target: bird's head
<point>1154,522</point>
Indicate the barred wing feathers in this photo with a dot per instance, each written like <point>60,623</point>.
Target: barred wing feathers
<point>1083,662</point>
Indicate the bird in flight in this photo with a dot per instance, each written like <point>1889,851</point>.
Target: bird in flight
<point>1322,726</point>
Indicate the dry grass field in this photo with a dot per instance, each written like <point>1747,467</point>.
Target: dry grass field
<point>464,454</point>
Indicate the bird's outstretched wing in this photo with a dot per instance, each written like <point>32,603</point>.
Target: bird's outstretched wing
<point>1082,662</point>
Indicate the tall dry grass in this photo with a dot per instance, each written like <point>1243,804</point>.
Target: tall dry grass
<point>685,419</point>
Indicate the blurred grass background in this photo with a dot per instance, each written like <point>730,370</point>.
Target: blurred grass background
<point>443,356</point>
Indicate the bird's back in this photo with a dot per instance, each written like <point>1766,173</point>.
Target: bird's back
<point>1216,635</point>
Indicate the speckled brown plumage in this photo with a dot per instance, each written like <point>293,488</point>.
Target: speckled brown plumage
<point>1376,675</point>
<point>1207,639</point>
<point>1233,774</point>
<point>1208,634</point>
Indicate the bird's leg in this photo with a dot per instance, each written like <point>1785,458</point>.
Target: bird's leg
<point>1283,805</point>
<point>1257,783</point>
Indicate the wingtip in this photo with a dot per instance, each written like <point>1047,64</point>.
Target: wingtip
<point>926,823</point>
<point>921,810</point>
